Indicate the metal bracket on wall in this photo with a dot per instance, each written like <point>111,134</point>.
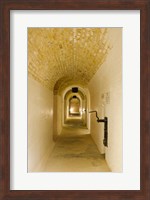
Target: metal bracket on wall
<point>105,121</point>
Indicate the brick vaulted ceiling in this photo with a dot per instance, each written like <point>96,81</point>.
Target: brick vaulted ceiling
<point>59,57</point>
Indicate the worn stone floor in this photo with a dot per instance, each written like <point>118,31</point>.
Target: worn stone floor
<point>76,123</point>
<point>75,151</point>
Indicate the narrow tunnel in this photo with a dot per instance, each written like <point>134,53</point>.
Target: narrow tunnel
<point>72,71</point>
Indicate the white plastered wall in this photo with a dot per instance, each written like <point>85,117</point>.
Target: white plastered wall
<point>40,125</point>
<point>57,122</point>
<point>106,97</point>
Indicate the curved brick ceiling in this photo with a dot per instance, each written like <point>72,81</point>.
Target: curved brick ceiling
<point>58,57</point>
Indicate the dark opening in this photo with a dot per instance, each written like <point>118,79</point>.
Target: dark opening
<point>74,89</point>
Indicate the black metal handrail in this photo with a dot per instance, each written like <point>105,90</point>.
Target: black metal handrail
<point>105,120</point>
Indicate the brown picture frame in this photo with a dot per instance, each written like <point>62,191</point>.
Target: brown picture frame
<point>5,7</point>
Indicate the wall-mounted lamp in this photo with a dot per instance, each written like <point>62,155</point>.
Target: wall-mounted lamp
<point>105,120</point>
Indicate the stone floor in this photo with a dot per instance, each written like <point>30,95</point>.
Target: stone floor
<point>76,123</point>
<point>75,151</point>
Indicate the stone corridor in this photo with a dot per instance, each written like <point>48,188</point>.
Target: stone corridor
<point>75,151</point>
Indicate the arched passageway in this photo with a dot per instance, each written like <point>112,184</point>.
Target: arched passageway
<point>75,108</point>
<point>72,71</point>
<point>71,108</point>
<point>75,149</point>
